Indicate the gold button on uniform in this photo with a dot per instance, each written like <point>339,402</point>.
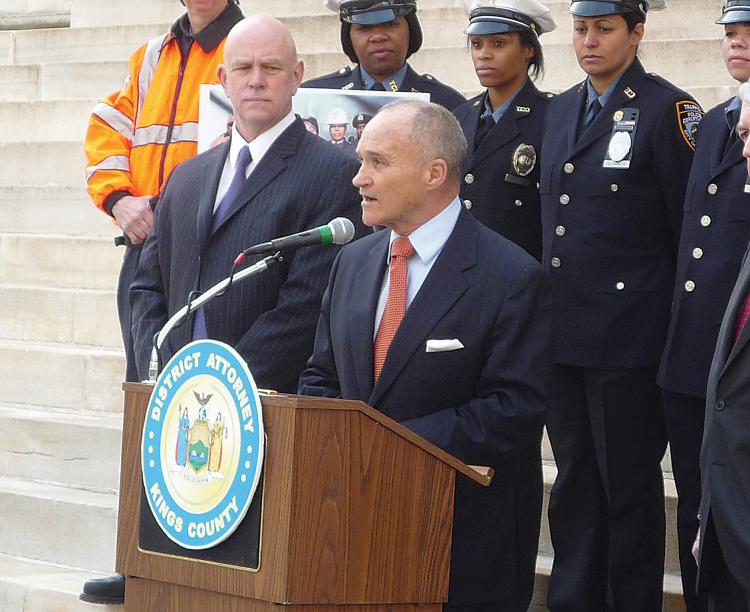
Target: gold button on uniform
<point>556,262</point>
<point>469,178</point>
<point>518,203</point>
<point>568,168</point>
<point>689,286</point>
<point>614,187</point>
<point>697,253</point>
<point>712,188</point>
<point>468,204</point>
<point>620,286</point>
<point>705,220</point>
<point>564,199</point>
<point>560,230</point>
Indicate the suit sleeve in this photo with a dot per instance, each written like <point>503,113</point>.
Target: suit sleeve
<point>320,378</point>
<point>279,342</point>
<point>508,411</point>
<point>147,294</point>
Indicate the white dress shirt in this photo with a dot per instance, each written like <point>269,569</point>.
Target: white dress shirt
<point>428,241</point>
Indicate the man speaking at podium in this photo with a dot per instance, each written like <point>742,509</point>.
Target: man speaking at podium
<point>271,179</point>
<point>440,324</point>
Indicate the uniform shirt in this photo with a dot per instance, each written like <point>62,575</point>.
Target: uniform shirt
<point>592,96</point>
<point>428,241</point>
<point>498,113</point>
<point>398,77</point>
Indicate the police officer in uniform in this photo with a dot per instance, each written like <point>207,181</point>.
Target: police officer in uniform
<point>358,123</point>
<point>338,123</point>
<point>379,36</point>
<point>715,234</point>
<point>504,124</point>
<point>615,162</point>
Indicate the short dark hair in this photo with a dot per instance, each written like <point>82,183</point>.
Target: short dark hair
<point>633,18</point>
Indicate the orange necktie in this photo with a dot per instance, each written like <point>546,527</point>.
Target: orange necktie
<point>395,307</point>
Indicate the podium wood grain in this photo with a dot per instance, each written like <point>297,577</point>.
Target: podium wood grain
<point>357,510</point>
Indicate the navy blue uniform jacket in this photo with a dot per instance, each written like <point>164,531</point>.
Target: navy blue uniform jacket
<point>301,182</point>
<point>610,235</point>
<point>351,78</point>
<point>492,188</point>
<point>484,403</point>
<point>715,233</point>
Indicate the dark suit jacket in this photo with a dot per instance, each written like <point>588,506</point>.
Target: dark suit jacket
<point>725,455</point>
<point>496,193</point>
<point>301,182</point>
<point>484,403</point>
<point>351,78</point>
<point>716,222</point>
<point>610,234</point>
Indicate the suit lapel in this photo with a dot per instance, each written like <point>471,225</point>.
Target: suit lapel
<point>470,126</point>
<point>366,287</point>
<point>444,285</point>
<point>273,162</point>
<point>726,345</point>
<point>733,156</point>
<point>212,168</point>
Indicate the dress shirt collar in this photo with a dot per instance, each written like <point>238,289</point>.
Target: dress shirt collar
<point>498,113</point>
<point>592,95</point>
<point>428,239</point>
<point>368,80</point>
<point>260,145</point>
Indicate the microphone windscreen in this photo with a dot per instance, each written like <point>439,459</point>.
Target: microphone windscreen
<point>342,230</point>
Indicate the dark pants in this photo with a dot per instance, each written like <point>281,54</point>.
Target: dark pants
<point>684,414</point>
<point>725,594</point>
<point>505,605</point>
<point>127,274</point>
<point>606,511</point>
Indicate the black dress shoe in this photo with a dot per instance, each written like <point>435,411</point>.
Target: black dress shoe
<point>109,590</point>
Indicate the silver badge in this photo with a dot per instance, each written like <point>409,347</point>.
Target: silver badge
<point>524,159</point>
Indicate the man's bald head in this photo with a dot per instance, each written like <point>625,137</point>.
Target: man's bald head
<point>260,74</point>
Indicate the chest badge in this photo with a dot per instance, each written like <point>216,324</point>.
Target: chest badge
<point>524,159</point>
<point>620,148</point>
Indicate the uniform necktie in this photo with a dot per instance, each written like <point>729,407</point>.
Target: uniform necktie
<point>593,111</point>
<point>742,319</point>
<point>486,123</point>
<point>238,182</point>
<point>378,86</point>
<point>395,306</point>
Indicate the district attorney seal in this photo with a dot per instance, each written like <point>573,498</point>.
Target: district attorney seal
<point>202,447</point>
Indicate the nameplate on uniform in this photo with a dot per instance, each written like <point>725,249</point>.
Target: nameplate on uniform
<point>202,459</point>
<point>747,185</point>
<point>620,148</point>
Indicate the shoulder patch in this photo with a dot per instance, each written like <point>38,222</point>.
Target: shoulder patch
<point>689,115</point>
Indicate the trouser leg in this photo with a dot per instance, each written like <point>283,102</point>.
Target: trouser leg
<point>127,273</point>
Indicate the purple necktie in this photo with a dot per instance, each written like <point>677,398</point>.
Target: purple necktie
<point>238,182</point>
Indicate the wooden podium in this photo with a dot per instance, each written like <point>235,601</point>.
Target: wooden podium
<point>356,516</point>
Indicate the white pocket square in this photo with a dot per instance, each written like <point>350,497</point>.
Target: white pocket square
<point>439,346</point>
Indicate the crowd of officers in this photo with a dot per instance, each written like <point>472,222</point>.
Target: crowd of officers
<point>634,203</point>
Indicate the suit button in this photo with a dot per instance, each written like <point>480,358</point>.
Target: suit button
<point>689,286</point>
<point>564,199</point>
<point>468,204</point>
<point>518,203</point>
<point>614,187</point>
<point>560,230</point>
<point>620,286</point>
<point>697,253</point>
<point>712,189</point>
<point>705,220</point>
<point>469,178</point>
<point>568,168</point>
<point>556,262</point>
<point>720,404</point>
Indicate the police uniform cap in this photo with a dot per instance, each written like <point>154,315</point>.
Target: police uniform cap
<point>595,8</point>
<point>337,116</point>
<point>361,119</point>
<point>735,11</point>
<point>374,12</point>
<point>498,16</point>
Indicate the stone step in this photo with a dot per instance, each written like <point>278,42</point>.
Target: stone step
<point>33,586</point>
<point>53,210</point>
<point>74,448</point>
<point>79,316</point>
<point>58,524</point>
<point>45,121</point>
<point>59,261</point>
<point>22,14</point>
<point>42,163</point>
<point>68,377</point>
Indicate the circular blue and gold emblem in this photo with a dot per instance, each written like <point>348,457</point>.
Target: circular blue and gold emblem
<point>202,448</point>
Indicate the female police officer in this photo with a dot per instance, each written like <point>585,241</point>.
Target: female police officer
<point>504,124</point>
<point>715,233</point>
<point>616,155</point>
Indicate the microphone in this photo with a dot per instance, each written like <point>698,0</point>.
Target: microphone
<point>338,231</point>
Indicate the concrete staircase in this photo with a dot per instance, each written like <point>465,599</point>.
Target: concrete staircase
<point>59,339</point>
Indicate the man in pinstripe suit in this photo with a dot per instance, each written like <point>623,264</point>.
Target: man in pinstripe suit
<point>224,200</point>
